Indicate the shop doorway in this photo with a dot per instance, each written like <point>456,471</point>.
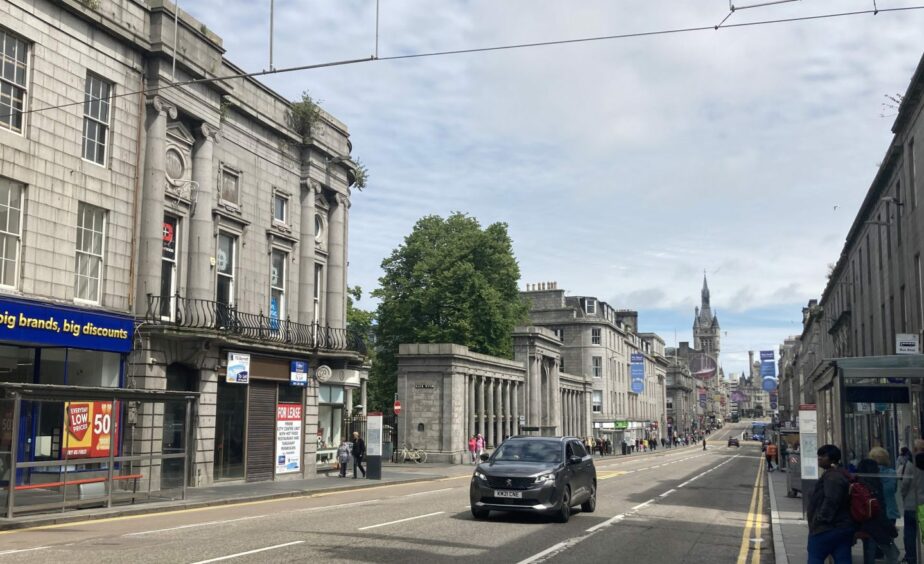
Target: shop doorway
<point>261,430</point>
<point>230,422</point>
<point>180,378</point>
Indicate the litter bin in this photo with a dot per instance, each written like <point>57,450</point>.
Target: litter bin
<point>793,474</point>
<point>388,450</point>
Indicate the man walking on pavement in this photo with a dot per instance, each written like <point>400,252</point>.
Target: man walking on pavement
<point>831,529</point>
<point>359,452</point>
<point>912,492</point>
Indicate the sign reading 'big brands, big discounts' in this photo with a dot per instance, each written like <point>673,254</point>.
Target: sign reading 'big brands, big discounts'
<point>90,426</point>
<point>35,323</point>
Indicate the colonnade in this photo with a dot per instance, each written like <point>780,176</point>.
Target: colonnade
<point>493,408</point>
<point>573,412</point>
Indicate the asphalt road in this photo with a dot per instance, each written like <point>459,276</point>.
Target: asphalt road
<point>675,505</point>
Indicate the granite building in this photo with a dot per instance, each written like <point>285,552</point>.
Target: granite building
<point>194,211</point>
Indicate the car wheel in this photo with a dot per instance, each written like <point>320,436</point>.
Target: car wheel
<point>590,505</point>
<point>564,511</point>
<point>480,513</point>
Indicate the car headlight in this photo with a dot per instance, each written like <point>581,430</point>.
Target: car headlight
<point>545,478</point>
<point>480,476</point>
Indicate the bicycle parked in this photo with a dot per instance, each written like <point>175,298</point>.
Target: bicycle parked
<point>410,454</point>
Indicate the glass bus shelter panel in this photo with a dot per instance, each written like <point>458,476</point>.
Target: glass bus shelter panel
<point>90,453</point>
<point>886,424</point>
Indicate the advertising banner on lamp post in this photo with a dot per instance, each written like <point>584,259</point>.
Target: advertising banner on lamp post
<point>637,372</point>
<point>768,370</point>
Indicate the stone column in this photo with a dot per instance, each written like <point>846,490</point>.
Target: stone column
<point>555,408</point>
<point>508,419</point>
<point>154,183</point>
<point>335,297</point>
<point>363,397</point>
<point>516,409</point>
<point>482,395</point>
<point>471,407</point>
<point>201,226</point>
<point>306,254</point>
<point>499,410</point>
<point>489,436</point>
<point>348,401</point>
<point>533,404</point>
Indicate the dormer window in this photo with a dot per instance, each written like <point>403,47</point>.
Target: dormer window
<point>590,306</point>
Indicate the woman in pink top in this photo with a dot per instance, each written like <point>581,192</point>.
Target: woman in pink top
<point>472,447</point>
<point>479,445</point>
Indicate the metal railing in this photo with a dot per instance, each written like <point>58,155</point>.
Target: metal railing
<point>208,315</point>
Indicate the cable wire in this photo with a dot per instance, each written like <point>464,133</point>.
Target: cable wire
<point>374,58</point>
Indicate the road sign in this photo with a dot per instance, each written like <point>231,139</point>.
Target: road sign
<point>397,407</point>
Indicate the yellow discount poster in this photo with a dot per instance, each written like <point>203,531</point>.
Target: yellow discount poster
<point>89,428</point>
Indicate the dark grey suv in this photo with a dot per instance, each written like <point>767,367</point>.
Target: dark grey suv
<point>537,474</point>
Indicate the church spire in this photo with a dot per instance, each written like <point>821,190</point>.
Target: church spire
<point>705,293</point>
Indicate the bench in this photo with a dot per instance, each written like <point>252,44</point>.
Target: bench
<point>87,486</point>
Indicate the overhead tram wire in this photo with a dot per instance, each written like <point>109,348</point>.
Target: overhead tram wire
<point>374,58</point>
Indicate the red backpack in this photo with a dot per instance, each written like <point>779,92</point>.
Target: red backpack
<point>863,504</point>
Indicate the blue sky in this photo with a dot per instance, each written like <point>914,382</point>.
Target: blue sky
<point>623,168</point>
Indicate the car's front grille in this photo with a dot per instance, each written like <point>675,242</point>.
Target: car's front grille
<point>510,483</point>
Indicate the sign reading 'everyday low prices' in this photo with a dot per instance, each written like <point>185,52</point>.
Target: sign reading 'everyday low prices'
<point>90,426</point>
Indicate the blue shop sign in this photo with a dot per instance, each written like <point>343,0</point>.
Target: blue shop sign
<point>40,324</point>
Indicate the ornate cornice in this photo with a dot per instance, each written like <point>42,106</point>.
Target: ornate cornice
<point>210,133</point>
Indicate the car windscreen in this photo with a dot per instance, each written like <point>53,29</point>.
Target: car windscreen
<point>529,451</point>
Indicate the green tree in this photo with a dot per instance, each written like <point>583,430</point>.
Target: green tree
<point>450,282</point>
<point>359,321</point>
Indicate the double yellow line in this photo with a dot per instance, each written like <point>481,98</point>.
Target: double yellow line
<point>754,522</point>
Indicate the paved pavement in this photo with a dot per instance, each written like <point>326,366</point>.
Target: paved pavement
<point>675,505</point>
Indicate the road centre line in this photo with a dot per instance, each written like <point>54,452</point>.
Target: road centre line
<point>17,551</point>
<point>400,521</point>
<point>429,492</point>
<point>551,550</point>
<point>192,525</point>
<point>667,493</point>
<point>255,551</point>
<point>339,505</point>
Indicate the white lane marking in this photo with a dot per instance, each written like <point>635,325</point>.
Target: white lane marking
<point>17,551</point>
<point>607,523</point>
<point>339,505</point>
<point>400,521</point>
<point>255,551</point>
<point>429,492</point>
<point>641,505</point>
<point>549,550</point>
<point>667,493</point>
<point>190,526</point>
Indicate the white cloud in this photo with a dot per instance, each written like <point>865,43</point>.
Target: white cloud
<point>623,168</point>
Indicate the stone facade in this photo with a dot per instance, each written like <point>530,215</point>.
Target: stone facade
<point>225,230</point>
<point>597,342</point>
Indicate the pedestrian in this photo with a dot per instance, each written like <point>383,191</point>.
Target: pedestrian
<point>704,443</point>
<point>904,456</point>
<point>472,448</point>
<point>343,457</point>
<point>877,534</point>
<point>888,481</point>
<point>589,443</point>
<point>609,446</point>
<point>359,452</point>
<point>911,489</point>
<point>479,445</point>
<point>770,453</point>
<point>831,529</point>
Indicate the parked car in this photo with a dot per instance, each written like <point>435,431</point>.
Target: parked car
<point>535,474</point>
<point>733,441</point>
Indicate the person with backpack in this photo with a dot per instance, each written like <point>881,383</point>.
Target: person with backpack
<point>911,488</point>
<point>878,531</point>
<point>831,529</point>
<point>770,452</point>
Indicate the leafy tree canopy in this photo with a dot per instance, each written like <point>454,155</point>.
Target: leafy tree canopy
<point>450,282</point>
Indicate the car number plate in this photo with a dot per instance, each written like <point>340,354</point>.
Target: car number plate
<point>508,493</point>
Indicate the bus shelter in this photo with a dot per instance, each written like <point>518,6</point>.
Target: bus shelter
<point>865,402</point>
<point>66,447</point>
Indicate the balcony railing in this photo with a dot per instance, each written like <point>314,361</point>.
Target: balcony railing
<point>208,315</point>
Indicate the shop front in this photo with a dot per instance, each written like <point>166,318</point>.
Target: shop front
<point>336,388</point>
<point>260,418</point>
